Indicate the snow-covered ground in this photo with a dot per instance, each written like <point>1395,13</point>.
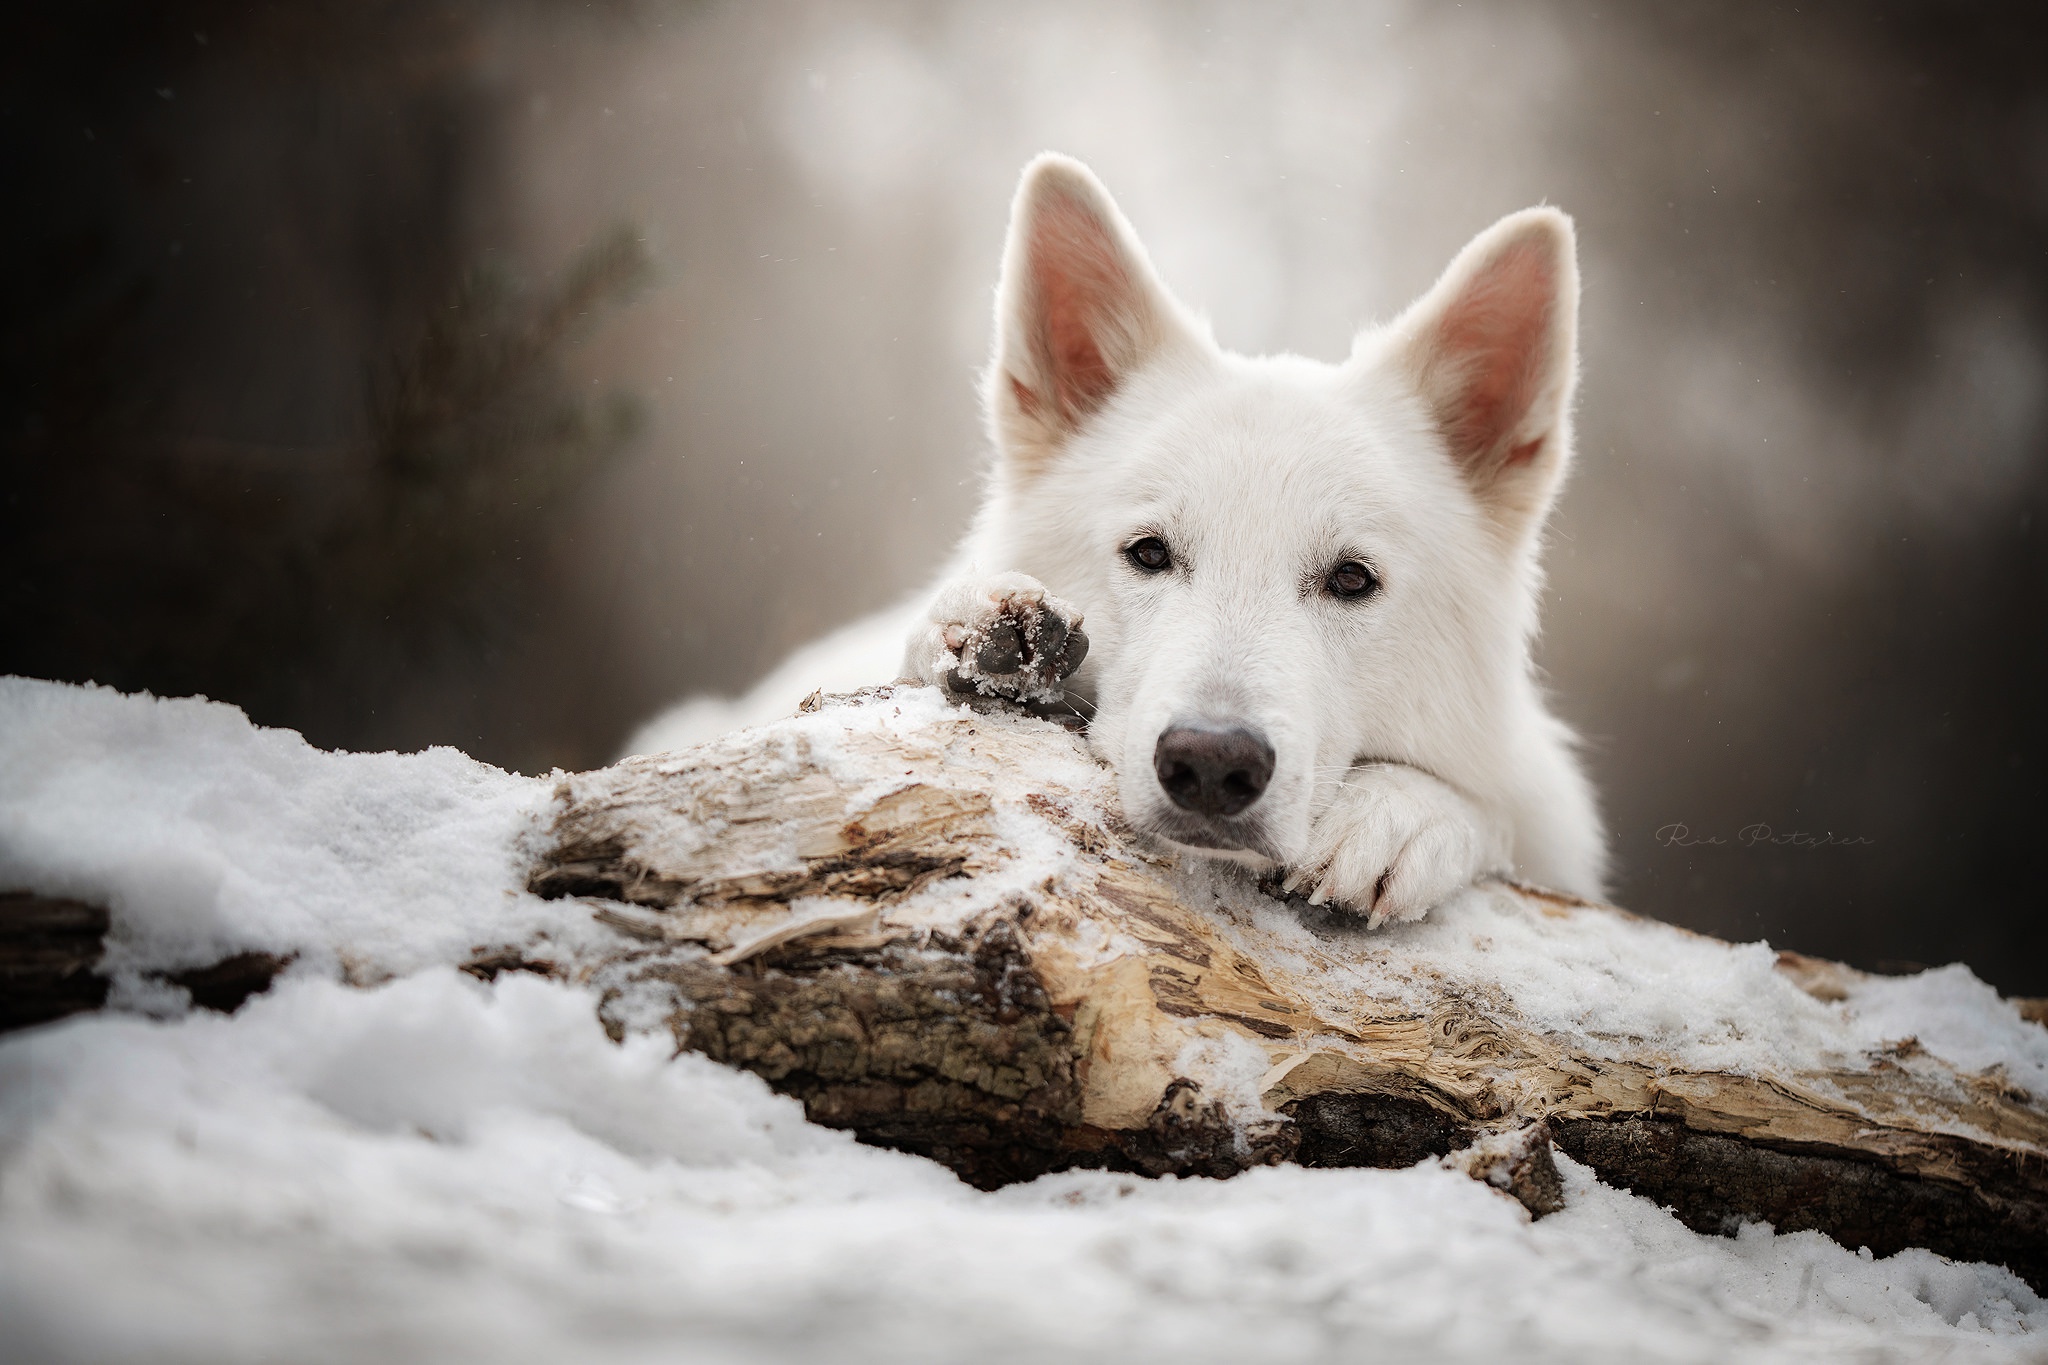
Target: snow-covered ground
<point>434,1168</point>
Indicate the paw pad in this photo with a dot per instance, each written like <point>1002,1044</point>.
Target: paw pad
<point>1024,653</point>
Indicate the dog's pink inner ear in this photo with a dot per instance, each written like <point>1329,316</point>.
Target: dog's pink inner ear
<point>1077,281</point>
<point>1493,357</point>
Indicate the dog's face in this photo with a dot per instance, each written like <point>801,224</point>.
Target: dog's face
<point>1287,567</point>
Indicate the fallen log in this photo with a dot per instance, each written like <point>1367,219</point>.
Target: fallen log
<point>929,924</point>
<point>51,948</point>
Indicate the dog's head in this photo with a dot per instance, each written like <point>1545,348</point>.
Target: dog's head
<point>1287,566</point>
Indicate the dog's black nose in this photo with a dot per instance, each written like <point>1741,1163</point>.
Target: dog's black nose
<point>1213,769</point>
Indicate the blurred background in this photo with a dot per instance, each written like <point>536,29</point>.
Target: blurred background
<point>494,373</point>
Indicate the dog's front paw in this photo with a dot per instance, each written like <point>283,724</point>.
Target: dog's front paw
<point>1003,636</point>
<point>1395,844</point>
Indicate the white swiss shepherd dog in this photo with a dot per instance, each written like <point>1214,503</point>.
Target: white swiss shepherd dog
<point>1309,590</point>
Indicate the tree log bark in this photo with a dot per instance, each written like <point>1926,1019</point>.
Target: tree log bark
<point>935,931</point>
<point>929,924</point>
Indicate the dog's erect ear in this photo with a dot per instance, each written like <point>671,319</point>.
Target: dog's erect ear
<point>1493,350</point>
<point>1079,310</point>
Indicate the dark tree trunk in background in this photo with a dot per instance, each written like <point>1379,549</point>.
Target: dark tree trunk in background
<point>281,426</point>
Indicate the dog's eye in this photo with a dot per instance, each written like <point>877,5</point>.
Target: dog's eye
<point>1352,579</point>
<point>1149,555</point>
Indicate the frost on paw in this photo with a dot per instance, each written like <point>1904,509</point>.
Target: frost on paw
<point>1011,639</point>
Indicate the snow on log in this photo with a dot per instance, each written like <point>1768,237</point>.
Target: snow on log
<point>929,924</point>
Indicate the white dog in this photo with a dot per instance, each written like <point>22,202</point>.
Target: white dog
<point>1309,589</point>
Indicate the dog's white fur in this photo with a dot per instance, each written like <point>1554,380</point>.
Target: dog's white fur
<point>1412,748</point>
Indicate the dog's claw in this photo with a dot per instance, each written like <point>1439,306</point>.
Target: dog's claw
<point>1074,647</point>
<point>1397,843</point>
<point>1052,637</point>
